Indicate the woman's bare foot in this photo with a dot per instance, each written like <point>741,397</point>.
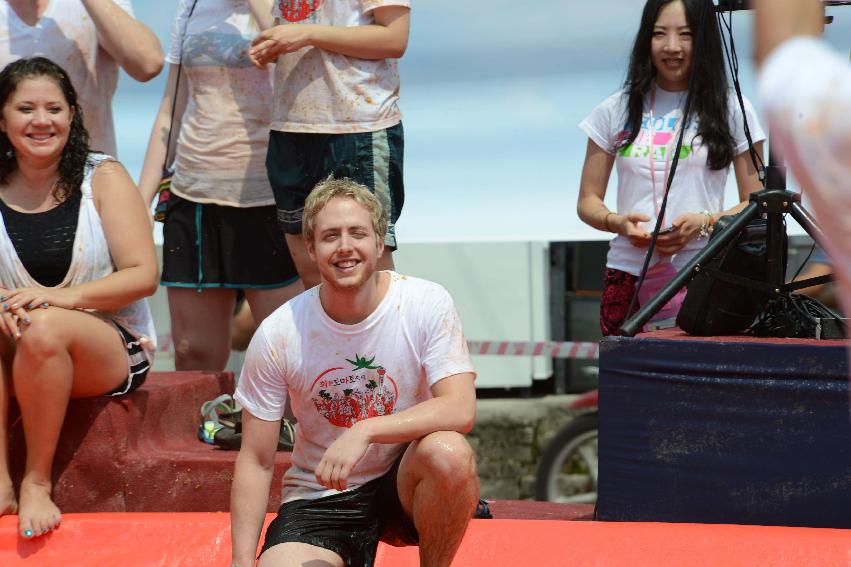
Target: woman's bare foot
<point>37,514</point>
<point>8,504</point>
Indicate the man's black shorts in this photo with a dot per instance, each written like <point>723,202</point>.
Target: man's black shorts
<point>296,162</point>
<point>348,523</point>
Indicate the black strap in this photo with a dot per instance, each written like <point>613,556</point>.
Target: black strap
<point>765,286</point>
<point>176,88</point>
<point>801,284</point>
<point>739,280</point>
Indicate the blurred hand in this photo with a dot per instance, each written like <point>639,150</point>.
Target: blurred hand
<point>278,40</point>
<point>686,228</point>
<point>629,227</point>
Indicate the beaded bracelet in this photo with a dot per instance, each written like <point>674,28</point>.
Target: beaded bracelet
<point>708,225</point>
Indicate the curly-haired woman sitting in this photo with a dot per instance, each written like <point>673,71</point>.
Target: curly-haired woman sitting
<point>76,261</point>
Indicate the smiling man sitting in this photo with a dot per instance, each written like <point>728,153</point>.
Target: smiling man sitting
<point>380,379</point>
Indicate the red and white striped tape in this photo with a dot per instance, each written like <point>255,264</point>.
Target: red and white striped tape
<point>549,349</point>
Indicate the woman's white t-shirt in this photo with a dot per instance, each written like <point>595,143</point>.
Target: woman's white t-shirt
<point>221,149</point>
<point>91,260</point>
<point>695,188</point>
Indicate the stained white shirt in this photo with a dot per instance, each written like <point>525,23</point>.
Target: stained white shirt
<point>319,91</point>
<point>336,375</point>
<point>224,133</point>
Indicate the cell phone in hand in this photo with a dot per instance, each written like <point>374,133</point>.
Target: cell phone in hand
<point>666,230</point>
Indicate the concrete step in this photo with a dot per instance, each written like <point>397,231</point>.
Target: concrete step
<point>140,453</point>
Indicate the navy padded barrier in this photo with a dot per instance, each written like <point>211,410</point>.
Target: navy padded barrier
<point>724,432</point>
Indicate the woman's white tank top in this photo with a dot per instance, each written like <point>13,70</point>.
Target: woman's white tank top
<point>90,261</point>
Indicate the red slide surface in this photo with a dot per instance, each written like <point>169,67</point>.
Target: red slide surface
<point>195,539</point>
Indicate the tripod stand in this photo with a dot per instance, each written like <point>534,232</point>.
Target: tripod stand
<point>773,203</point>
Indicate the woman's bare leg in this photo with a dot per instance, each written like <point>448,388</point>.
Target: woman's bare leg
<point>61,354</point>
<point>8,503</point>
<point>264,301</point>
<point>201,327</point>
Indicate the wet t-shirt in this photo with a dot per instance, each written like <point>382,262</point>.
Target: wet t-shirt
<point>319,91</point>
<point>221,148</point>
<point>337,375</point>
<point>66,35</point>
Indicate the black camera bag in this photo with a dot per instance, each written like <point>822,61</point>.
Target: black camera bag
<point>728,293</point>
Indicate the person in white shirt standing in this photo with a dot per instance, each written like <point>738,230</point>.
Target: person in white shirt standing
<point>379,376</point>
<point>805,91</point>
<point>636,130</point>
<point>90,39</point>
<point>220,233</point>
<point>335,106</point>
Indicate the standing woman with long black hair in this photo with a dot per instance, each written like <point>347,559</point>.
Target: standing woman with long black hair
<point>637,130</point>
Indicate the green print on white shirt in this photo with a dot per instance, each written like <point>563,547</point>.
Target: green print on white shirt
<point>661,152</point>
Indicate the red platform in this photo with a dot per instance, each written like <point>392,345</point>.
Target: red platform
<point>176,540</point>
<point>140,453</point>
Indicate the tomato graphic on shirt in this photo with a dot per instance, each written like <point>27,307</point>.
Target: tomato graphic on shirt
<point>346,395</point>
<point>298,10</point>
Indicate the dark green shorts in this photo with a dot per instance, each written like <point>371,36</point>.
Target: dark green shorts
<point>297,162</point>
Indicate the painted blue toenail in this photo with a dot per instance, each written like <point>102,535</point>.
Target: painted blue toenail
<point>28,533</point>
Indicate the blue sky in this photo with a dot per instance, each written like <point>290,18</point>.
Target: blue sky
<point>491,95</point>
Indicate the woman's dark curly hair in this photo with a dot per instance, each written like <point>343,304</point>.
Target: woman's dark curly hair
<point>75,154</point>
<point>710,102</point>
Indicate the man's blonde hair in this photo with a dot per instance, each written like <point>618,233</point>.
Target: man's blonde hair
<point>345,187</point>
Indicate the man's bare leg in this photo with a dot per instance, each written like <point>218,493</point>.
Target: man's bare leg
<point>293,554</point>
<point>442,463</point>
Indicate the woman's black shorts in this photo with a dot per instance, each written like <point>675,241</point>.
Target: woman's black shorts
<point>207,245</point>
<point>138,360</point>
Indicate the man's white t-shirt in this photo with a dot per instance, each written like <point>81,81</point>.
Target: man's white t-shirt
<point>337,375</point>
<point>224,132</point>
<point>695,188</point>
<point>805,91</point>
<point>319,91</point>
<point>67,36</point>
